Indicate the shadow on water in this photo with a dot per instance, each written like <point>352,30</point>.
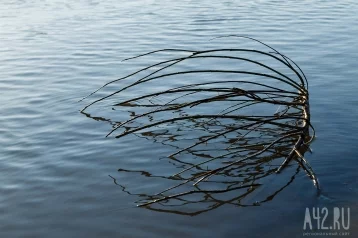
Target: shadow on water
<point>234,118</point>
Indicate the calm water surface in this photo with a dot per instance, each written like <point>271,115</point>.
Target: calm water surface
<point>55,162</point>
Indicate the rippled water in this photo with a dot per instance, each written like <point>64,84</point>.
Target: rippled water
<point>55,162</point>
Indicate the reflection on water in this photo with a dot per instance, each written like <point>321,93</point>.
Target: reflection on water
<point>230,134</point>
<point>208,201</point>
<point>55,162</point>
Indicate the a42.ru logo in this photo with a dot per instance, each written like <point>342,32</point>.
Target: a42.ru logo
<point>316,218</point>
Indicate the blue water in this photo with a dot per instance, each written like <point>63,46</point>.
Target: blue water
<point>55,162</point>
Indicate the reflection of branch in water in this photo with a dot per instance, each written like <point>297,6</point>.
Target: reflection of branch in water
<point>212,203</point>
<point>228,135</point>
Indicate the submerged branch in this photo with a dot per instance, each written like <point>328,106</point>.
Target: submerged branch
<point>247,127</point>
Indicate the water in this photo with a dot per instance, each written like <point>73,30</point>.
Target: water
<point>55,162</point>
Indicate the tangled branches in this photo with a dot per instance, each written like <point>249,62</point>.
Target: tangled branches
<point>243,113</point>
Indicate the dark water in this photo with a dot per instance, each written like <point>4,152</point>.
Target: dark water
<point>55,162</point>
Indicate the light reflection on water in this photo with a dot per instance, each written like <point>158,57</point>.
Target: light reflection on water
<point>55,162</point>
